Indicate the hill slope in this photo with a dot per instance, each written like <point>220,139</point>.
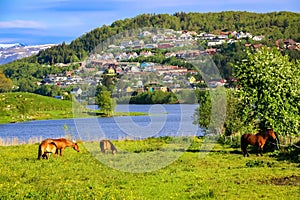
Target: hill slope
<point>19,106</point>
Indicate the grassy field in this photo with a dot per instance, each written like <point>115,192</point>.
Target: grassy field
<point>20,106</point>
<point>221,174</point>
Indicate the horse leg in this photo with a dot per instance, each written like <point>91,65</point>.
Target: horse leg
<point>102,150</point>
<point>45,156</point>
<point>61,151</point>
<point>244,150</point>
<point>261,149</point>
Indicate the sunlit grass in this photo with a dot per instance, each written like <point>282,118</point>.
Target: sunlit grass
<point>222,174</point>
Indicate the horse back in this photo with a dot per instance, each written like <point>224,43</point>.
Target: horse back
<point>249,139</point>
<point>62,143</point>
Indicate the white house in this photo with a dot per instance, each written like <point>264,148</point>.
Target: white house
<point>76,91</point>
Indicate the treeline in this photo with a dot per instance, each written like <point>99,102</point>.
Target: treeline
<point>275,25</point>
<point>156,97</point>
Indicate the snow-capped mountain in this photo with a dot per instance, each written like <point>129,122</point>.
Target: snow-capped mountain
<point>4,46</point>
<point>11,52</point>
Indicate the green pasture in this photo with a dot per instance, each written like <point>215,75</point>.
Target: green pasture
<point>21,106</point>
<point>221,173</point>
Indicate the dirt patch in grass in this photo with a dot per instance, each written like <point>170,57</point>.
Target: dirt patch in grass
<point>287,180</point>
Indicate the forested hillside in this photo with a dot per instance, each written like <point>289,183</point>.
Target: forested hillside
<point>273,26</point>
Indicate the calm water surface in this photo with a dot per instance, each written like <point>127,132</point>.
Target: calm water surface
<point>163,120</point>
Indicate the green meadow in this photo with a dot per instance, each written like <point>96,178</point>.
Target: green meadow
<point>221,173</point>
<point>22,106</point>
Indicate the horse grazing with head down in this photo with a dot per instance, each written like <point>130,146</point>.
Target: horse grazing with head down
<point>106,145</point>
<point>258,140</point>
<point>61,144</point>
<point>45,148</point>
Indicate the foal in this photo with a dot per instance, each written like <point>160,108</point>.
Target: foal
<point>45,148</point>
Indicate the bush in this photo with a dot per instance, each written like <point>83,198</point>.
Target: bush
<point>259,163</point>
<point>291,153</point>
<point>232,141</point>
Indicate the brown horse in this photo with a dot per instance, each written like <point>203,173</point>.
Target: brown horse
<point>61,144</point>
<point>258,140</point>
<point>106,145</point>
<point>45,148</point>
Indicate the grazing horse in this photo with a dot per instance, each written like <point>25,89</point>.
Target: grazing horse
<point>107,145</point>
<point>61,144</point>
<point>45,148</point>
<point>258,140</point>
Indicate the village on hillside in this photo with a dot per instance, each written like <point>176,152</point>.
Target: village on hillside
<point>114,59</point>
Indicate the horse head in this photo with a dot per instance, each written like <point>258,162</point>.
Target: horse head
<point>274,135</point>
<point>76,147</point>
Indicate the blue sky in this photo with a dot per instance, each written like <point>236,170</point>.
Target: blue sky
<point>55,21</point>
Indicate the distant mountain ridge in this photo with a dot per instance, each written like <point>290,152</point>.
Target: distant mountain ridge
<point>10,52</point>
<point>10,45</point>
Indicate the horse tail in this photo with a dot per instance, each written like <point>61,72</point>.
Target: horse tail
<point>244,144</point>
<point>242,141</point>
<point>102,146</point>
<point>40,152</point>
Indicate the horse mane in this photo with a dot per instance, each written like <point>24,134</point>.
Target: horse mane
<point>66,140</point>
<point>264,132</point>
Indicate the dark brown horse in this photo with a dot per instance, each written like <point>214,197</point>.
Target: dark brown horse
<point>106,145</point>
<point>258,140</point>
<point>61,144</point>
<point>45,148</point>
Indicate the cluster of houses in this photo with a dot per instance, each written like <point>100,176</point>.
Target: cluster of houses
<point>170,38</point>
<point>114,61</point>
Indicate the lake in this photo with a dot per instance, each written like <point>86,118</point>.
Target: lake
<point>163,120</point>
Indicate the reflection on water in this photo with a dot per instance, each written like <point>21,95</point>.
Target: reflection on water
<point>163,120</point>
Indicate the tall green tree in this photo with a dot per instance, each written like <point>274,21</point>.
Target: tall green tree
<point>269,91</point>
<point>6,84</point>
<point>211,113</point>
<point>104,101</point>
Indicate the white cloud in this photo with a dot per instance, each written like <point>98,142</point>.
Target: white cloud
<point>22,24</point>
